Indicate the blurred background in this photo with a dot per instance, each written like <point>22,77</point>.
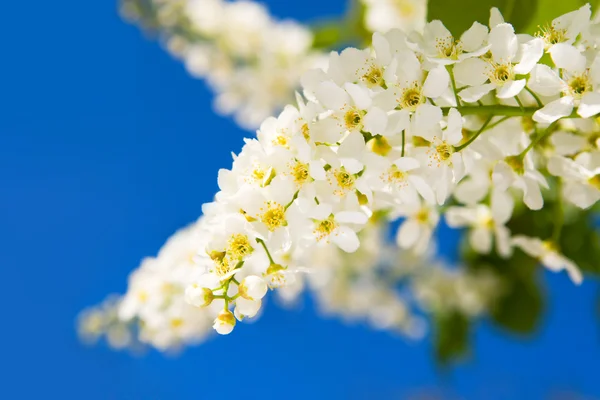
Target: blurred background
<point>107,146</point>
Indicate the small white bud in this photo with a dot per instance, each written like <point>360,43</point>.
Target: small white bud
<point>198,296</point>
<point>224,322</point>
<point>253,288</point>
<point>246,308</point>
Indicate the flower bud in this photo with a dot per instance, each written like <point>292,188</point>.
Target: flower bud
<point>198,296</point>
<point>253,288</point>
<point>224,322</point>
<point>246,308</point>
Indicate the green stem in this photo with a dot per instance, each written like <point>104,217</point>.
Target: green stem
<point>558,213</point>
<point>403,141</point>
<point>292,201</point>
<point>498,110</point>
<point>519,102</point>
<point>450,69</point>
<point>501,120</point>
<point>549,130</point>
<point>262,242</point>
<point>472,138</point>
<point>535,96</point>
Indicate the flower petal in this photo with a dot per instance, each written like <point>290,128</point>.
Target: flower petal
<point>589,105</point>
<point>568,57</point>
<point>510,89</point>
<point>554,110</point>
<point>475,93</point>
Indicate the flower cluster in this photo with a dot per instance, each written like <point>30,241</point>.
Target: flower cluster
<point>154,307</point>
<point>418,128</point>
<point>252,62</point>
<point>384,15</point>
<point>421,129</point>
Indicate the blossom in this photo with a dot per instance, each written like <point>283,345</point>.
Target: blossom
<point>224,322</point>
<point>547,254</point>
<point>384,15</point>
<point>500,68</point>
<point>376,135</point>
<point>581,177</point>
<point>577,85</point>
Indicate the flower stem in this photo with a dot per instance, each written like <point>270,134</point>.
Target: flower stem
<point>451,73</point>
<point>403,141</point>
<point>499,110</point>
<point>262,242</point>
<point>535,96</point>
<point>472,138</point>
<point>558,213</point>
<point>549,130</point>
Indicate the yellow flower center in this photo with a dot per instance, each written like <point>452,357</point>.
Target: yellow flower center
<point>449,48</point>
<point>239,246</point>
<point>353,119</point>
<point>552,35</point>
<point>579,85</point>
<point>281,140</point>
<point>344,180</point>
<point>274,216</point>
<point>501,73</point>
<point>422,216</point>
<point>595,181</point>
<point>405,8</point>
<point>324,228</point>
<point>394,175</point>
<point>373,77</point>
<point>411,97</point>
<point>299,172</point>
<point>176,323</point>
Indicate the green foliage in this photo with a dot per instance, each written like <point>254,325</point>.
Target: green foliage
<point>520,304</point>
<point>451,336</point>
<point>346,31</point>
<point>459,15</point>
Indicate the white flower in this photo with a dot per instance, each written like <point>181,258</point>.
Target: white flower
<point>577,85</point>
<point>486,223</point>
<point>252,288</point>
<point>400,178</point>
<point>416,230</point>
<point>441,47</point>
<point>446,166</point>
<point>581,177</point>
<point>198,296</point>
<point>321,225</point>
<point>245,308</point>
<point>567,27</point>
<point>520,174</point>
<point>384,15</point>
<point>500,69</point>
<point>546,253</point>
<point>224,323</point>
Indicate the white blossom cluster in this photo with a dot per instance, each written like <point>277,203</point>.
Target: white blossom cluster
<point>154,310</point>
<point>252,61</point>
<point>419,128</point>
<point>385,15</point>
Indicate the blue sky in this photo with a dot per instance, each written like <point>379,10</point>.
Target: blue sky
<point>107,147</point>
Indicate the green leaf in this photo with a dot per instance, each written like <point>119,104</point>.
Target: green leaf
<point>520,304</point>
<point>459,15</point>
<point>451,336</point>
